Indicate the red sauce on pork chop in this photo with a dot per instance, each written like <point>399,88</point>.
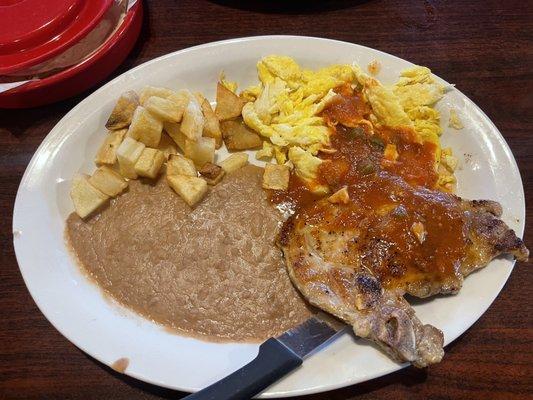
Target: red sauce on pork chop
<point>418,234</point>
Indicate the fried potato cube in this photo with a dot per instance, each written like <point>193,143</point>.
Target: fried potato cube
<point>122,113</point>
<point>107,153</point>
<point>85,197</point>
<point>229,105</point>
<point>237,136</point>
<point>190,188</point>
<point>127,154</point>
<point>174,131</point>
<point>145,127</point>
<point>180,165</point>
<point>167,145</point>
<point>149,163</point>
<point>193,121</point>
<point>276,177</point>
<point>211,126</point>
<point>200,151</point>
<point>108,181</point>
<point>212,173</point>
<point>234,162</point>
<point>341,196</point>
<point>150,91</point>
<point>181,97</point>
<point>164,109</point>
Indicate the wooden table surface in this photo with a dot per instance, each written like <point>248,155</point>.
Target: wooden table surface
<point>485,48</point>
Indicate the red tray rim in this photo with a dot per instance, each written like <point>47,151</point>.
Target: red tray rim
<point>75,69</point>
<point>73,35</point>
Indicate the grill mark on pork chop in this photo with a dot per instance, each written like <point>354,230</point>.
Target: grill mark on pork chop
<point>363,281</point>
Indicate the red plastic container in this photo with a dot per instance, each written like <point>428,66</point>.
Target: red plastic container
<point>37,31</point>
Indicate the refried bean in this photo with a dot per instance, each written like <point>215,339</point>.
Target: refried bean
<point>213,272</point>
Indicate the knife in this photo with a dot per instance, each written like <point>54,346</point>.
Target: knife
<point>277,357</point>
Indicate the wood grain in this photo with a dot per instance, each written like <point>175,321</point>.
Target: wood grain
<point>486,48</point>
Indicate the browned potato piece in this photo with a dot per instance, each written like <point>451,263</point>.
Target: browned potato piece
<point>276,177</point>
<point>174,131</point>
<point>122,114</point>
<point>229,105</point>
<point>201,151</point>
<point>108,181</point>
<point>190,188</point>
<point>167,145</point>
<point>149,163</point>
<point>85,197</point>
<point>192,124</point>
<point>149,91</point>
<point>234,162</point>
<point>145,127</point>
<point>128,153</point>
<point>107,153</point>
<point>237,136</point>
<point>180,165</point>
<point>164,109</point>
<point>212,126</point>
<point>212,173</point>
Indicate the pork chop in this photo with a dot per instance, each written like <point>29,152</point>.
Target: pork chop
<point>357,260</point>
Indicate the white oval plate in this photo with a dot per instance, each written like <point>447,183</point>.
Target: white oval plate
<point>108,332</point>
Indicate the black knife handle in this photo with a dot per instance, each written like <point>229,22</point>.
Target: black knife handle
<point>273,361</point>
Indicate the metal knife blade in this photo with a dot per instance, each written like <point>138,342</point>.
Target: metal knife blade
<point>312,334</point>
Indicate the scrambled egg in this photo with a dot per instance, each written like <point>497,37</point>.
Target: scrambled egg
<point>232,86</point>
<point>418,92</point>
<point>455,122</point>
<point>446,168</point>
<point>408,103</point>
<point>305,165</point>
<point>374,67</point>
<point>285,106</point>
<point>385,104</point>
